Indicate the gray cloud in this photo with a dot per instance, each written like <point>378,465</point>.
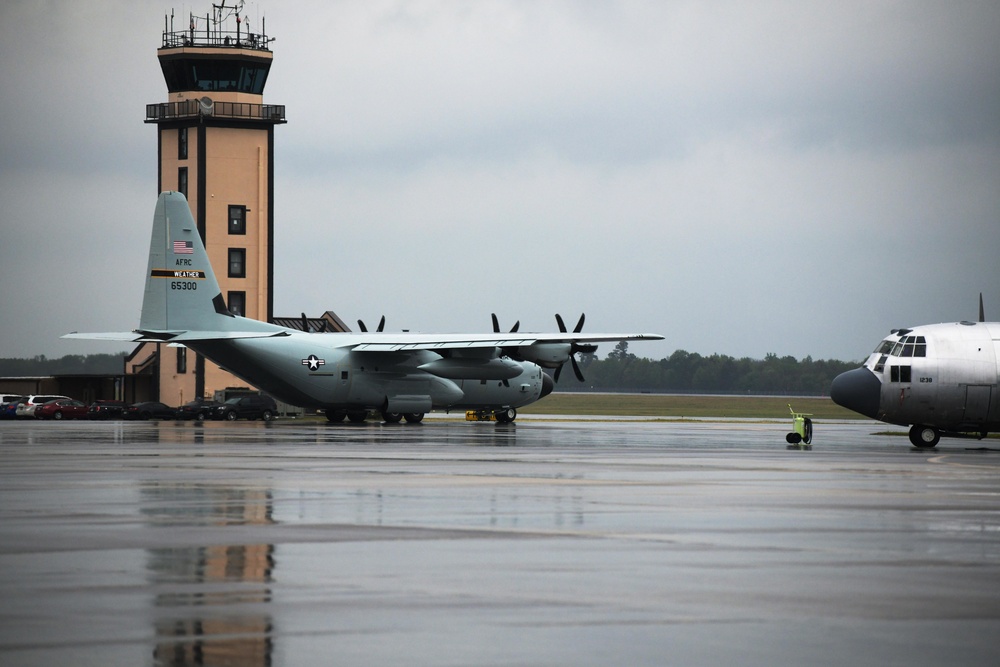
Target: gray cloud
<point>743,178</point>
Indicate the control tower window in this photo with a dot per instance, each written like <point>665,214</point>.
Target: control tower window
<point>182,181</point>
<point>209,75</point>
<point>182,143</point>
<point>237,263</point>
<point>237,303</point>
<point>237,219</point>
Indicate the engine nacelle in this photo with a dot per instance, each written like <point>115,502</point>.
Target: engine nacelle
<point>472,368</point>
<point>546,355</point>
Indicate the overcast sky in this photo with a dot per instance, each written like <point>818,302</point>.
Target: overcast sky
<point>740,177</point>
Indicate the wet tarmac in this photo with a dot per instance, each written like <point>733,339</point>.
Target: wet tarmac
<point>543,542</point>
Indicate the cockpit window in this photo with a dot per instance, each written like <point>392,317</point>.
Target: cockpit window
<point>910,346</point>
<point>884,347</point>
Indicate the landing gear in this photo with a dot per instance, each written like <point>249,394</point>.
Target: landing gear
<point>336,416</point>
<point>357,416</point>
<point>506,415</point>
<point>924,437</point>
<point>392,417</point>
<point>413,417</point>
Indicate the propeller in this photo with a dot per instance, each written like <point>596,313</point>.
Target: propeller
<point>583,348</point>
<point>982,313</point>
<point>496,324</point>
<point>305,325</point>
<point>381,325</point>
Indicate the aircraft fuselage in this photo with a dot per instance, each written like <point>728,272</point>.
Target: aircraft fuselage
<point>942,379</point>
<point>322,371</point>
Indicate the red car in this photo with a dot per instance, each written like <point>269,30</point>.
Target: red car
<point>64,408</point>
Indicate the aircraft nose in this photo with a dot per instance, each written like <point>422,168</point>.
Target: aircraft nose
<point>547,385</point>
<point>857,390</point>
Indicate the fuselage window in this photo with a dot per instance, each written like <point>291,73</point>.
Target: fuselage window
<point>900,373</point>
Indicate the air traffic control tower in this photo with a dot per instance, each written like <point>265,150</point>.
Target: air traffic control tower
<point>215,144</point>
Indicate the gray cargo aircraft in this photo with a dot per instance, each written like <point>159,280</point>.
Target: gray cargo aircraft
<point>402,375</point>
<point>939,379</point>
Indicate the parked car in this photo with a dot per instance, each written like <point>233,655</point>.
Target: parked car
<point>26,407</point>
<point>198,410</point>
<point>63,408</point>
<point>255,406</point>
<point>105,409</point>
<point>8,405</point>
<point>149,410</point>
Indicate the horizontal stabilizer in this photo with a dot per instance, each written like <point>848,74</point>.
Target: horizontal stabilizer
<point>124,336</point>
<point>173,336</point>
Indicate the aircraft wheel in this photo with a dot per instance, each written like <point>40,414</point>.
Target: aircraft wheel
<point>506,416</point>
<point>924,437</point>
<point>392,417</point>
<point>413,417</point>
<point>336,416</point>
<point>357,416</point>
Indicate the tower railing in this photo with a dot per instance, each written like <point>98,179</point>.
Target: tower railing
<point>216,38</point>
<point>164,111</point>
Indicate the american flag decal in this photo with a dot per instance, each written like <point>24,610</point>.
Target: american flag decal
<point>183,248</point>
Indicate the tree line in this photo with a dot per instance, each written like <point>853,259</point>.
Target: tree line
<point>681,372</point>
<point>71,364</point>
<point>690,372</point>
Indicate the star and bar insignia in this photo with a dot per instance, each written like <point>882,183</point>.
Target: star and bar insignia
<point>313,362</point>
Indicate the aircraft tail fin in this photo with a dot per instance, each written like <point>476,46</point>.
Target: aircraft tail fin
<point>182,293</point>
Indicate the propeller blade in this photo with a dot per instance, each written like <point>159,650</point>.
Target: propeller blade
<point>305,323</point>
<point>555,377</point>
<point>982,313</point>
<point>579,324</point>
<point>559,321</point>
<point>576,369</point>
<point>378,329</point>
<point>496,324</point>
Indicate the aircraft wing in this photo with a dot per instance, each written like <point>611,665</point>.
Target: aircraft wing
<point>402,342</point>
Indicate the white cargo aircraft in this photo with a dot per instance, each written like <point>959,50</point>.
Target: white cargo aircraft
<point>939,379</point>
<point>401,375</point>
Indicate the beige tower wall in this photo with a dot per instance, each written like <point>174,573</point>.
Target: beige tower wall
<point>229,142</point>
